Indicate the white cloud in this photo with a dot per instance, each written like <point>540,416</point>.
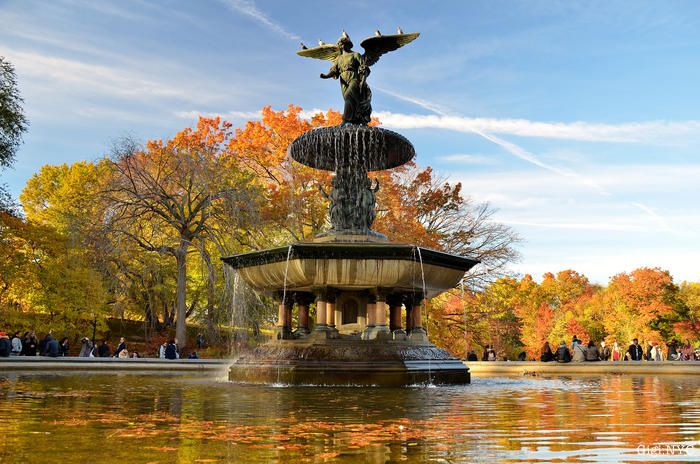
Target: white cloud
<point>83,76</point>
<point>661,132</point>
<point>249,9</point>
<point>465,158</point>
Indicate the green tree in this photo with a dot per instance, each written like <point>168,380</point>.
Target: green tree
<point>13,124</point>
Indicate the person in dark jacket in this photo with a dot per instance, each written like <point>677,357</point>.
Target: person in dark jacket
<point>5,345</point>
<point>635,351</point>
<point>64,346</point>
<point>171,350</point>
<point>29,344</point>
<point>604,351</point>
<point>485,356</point>
<point>563,355</point>
<point>592,353</point>
<point>546,355</point>
<point>103,350</point>
<point>53,349</point>
<point>472,356</point>
<point>120,347</point>
<point>43,343</point>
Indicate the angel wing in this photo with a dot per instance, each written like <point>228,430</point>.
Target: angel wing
<point>381,44</point>
<point>322,52</point>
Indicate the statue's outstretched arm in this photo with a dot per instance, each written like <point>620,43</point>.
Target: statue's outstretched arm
<point>332,73</point>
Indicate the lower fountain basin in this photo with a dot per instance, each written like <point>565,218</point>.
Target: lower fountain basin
<point>349,362</point>
<point>351,267</point>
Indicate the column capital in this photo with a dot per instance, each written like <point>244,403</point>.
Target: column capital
<point>303,298</point>
<point>394,299</point>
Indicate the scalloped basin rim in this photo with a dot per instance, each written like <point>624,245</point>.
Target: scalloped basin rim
<point>359,251</point>
<point>351,267</point>
<point>373,148</point>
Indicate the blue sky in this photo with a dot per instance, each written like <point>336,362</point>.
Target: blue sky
<point>577,121</point>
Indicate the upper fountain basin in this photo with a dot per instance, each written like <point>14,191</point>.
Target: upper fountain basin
<point>373,148</point>
<point>351,266</point>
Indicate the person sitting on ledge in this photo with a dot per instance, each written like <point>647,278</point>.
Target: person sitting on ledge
<point>472,356</point>
<point>171,350</point>
<point>5,345</point>
<point>546,354</point>
<point>579,352</point>
<point>592,352</point>
<point>563,355</point>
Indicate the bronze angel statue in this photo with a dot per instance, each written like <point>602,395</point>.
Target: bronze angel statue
<point>352,68</point>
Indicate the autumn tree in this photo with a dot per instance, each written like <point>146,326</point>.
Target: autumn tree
<point>165,197</point>
<point>641,304</point>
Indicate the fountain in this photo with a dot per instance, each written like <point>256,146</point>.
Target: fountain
<point>362,286</point>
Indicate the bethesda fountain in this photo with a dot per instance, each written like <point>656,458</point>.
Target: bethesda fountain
<point>368,294</point>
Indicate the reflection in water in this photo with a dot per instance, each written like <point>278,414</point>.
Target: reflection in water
<point>146,418</point>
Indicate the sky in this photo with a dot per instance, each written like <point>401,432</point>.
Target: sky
<point>576,120</point>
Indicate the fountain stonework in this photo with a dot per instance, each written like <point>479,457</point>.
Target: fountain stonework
<point>368,293</point>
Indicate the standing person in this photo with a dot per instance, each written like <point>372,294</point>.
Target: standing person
<point>491,354</point>
<point>485,356</point>
<point>635,351</point>
<point>563,355</point>
<point>673,351</point>
<point>53,349</point>
<point>63,347</point>
<point>546,354</point>
<point>5,345</point>
<point>656,354</point>
<point>647,355</point>
<point>200,341</point>
<point>29,344</point>
<point>43,343</point>
<point>120,347</point>
<point>592,353</point>
<point>604,351</point>
<point>16,343</point>
<point>171,350</point>
<point>579,352</point>
<point>103,351</point>
<point>86,348</point>
<point>616,354</point>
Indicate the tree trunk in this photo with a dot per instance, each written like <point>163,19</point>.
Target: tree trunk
<point>212,332</point>
<point>181,308</point>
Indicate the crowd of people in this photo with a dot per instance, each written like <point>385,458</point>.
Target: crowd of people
<point>29,345</point>
<point>590,352</point>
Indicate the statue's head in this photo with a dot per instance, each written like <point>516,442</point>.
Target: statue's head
<point>344,42</point>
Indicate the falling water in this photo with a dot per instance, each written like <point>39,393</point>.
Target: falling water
<point>422,274</point>
<point>286,269</point>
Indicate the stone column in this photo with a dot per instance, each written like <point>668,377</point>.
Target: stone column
<point>395,302</point>
<point>371,317</point>
<point>321,314</point>
<point>380,320</point>
<point>377,309</point>
<point>303,300</point>
<point>283,327</point>
<point>330,309</point>
<point>418,333</point>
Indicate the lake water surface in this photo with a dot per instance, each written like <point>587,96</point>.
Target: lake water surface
<point>129,418</point>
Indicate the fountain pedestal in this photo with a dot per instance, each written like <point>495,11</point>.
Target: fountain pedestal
<point>360,282</point>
